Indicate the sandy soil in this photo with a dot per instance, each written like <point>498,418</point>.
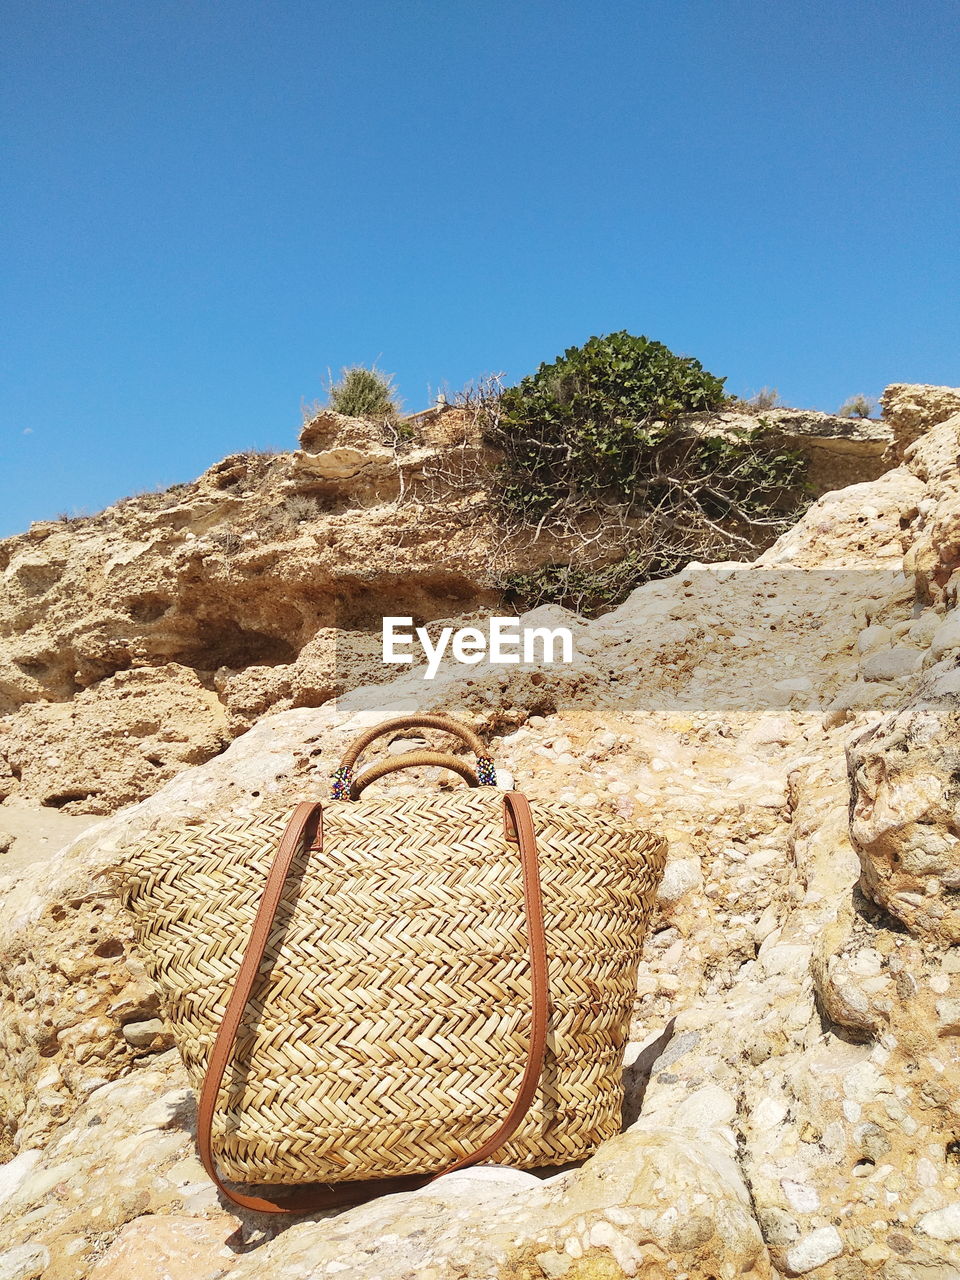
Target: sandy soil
<point>30,834</point>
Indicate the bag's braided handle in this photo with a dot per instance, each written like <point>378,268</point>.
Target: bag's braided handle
<point>344,780</point>
<point>306,825</point>
<point>412,760</point>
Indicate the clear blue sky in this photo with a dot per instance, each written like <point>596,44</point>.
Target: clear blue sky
<point>206,205</point>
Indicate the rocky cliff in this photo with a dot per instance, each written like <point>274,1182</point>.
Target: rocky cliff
<point>793,1078</point>
<point>142,640</point>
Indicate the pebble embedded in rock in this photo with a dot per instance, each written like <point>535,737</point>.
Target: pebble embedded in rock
<point>942,1224</point>
<point>143,1034</point>
<point>813,1250</point>
<point>779,1228</point>
<point>679,877</point>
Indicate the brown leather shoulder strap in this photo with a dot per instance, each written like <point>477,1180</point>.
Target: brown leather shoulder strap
<point>307,823</point>
<point>517,806</point>
<point>297,828</point>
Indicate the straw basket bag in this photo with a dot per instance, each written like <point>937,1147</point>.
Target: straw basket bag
<point>379,990</point>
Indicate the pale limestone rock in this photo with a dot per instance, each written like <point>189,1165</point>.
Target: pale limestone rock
<point>814,1250</point>
<point>24,1262</point>
<point>772,730</point>
<point>948,1016</point>
<point>858,697</point>
<point>942,1224</point>
<point>171,1247</point>
<point>680,877</point>
<point>151,1034</point>
<point>16,1171</point>
<point>912,409</point>
<point>946,638</point>
<point>891,664</point>
<point>872,638</point>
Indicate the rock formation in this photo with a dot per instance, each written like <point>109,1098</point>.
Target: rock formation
<point>261,586</point>
<point>793,1080</point>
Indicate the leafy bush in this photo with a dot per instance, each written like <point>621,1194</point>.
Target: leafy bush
<point>857,407</point>
<point>595,449</point>
<point>599,424</point>
<point>364,393</point>
<point>589,417</point>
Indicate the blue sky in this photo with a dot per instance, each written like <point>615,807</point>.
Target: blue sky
<point>207,205</point>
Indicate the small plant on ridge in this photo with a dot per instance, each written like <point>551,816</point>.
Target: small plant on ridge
<point>364,393</point>
<point>857,407</point>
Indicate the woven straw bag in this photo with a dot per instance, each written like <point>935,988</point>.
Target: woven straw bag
<point>371,992</point>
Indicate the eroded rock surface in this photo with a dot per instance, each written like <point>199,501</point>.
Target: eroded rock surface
<point>263,585</point>
<point>911,410</point>
<point>113,743</point>
<point>839,451</point>
<point>793,1078</point>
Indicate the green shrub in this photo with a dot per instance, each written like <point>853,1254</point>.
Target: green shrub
<point>599,424</point>
<point>364,393</point>
<point>589,418</point>
<point>597,440</point>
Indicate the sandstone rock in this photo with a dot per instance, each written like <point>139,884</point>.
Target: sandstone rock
<point>912,409</point>
<point>326,426</point>
<point>861,526</point>
<point>171,1247</point>
<point>891,664</point>
<point>932,551</point>
<point>788,1035</point>
<point>265,581</point>
<point>839,451</point>
<point>110,745</point>
<point>904,819</point>
<point>627,1212</point>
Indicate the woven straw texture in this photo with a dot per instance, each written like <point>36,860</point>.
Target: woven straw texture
<point>388,1029</point>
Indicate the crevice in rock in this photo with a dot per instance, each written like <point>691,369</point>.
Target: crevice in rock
<point>228,644</point>
<point>874,915</point>
<point>147,608</point>
<point>740,1157</point>
<point>58,800</point>
<point>636,1076</point>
